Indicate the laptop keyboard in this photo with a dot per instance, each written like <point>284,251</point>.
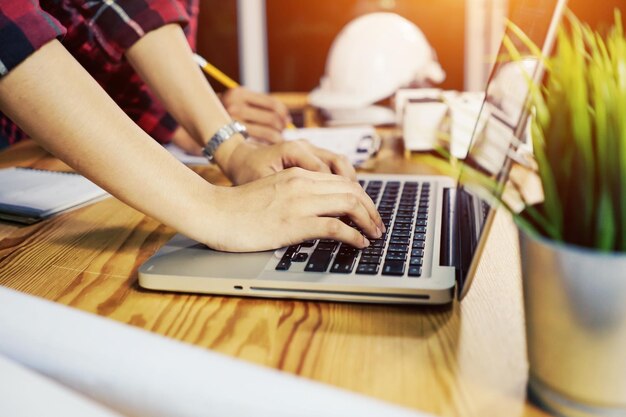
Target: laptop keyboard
<point>398,253</point>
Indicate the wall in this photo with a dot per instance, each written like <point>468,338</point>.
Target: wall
<point>300,33</point>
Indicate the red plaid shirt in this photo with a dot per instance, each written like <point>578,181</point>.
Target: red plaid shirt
<point>97,33</point>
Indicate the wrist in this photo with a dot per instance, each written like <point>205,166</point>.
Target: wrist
<point>223,154</point>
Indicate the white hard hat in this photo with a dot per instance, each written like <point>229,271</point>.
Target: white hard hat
<point>371,58</point>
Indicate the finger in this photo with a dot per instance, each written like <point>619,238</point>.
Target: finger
<point>264,134</point>
<point>267,102</point>
<point>258,116</point>
<point>335,205</point>
<point>294,155</point>
<point>338,164</point>
<point>330,228</point>
<point>318,185</point>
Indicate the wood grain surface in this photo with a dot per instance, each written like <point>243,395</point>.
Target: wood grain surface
<point>465,359</point>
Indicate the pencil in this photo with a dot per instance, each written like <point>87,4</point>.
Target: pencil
<point>219,76</point>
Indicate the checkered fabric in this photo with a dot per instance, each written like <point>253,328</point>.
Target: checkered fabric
<point>97,33</point>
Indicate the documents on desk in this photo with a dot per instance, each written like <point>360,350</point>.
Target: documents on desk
<point>135,372</point>
<point>358,143</point>
<point>30,195</point>
<point>431,117</point>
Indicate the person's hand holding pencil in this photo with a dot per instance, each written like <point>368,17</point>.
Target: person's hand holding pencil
<point>264,116</point>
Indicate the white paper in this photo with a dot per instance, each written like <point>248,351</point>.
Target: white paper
<point>142,374</point>
<point>24,393</point>
<point>184,157</point>
<point>357,143</point>
<point>44,193</point>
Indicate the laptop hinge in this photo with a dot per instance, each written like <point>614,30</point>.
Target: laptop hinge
<point>448,252</point>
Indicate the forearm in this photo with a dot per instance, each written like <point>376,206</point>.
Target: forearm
<point>60,106</point>
<point>165,62</point>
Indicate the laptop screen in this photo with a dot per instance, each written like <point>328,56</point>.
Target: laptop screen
<point>500,135</point>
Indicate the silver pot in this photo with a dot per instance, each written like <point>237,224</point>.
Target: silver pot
<point>575,308</point>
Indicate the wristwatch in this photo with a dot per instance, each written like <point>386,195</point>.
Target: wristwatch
<point>222,135</point>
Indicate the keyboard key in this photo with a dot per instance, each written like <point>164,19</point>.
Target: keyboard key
<point>417,253</point>
<point>377,243</point>
<point>319,261</point>
<point>300,257</point>
<point>283,265</point>
<point>370,259</point>
<point>347,250</point>
<point>415,271</point>
<point>398,248</point>
<point>421,223</point>
<point>401,233</point>
<point>399,240</point>
<point>326,246</point>
<point>393,268</point>
<point>420,229</point>
<point>372,251</point>
<point>418,244</point>
<point>416,262</point>
<point>308,243</point>
<point>344,264</point>
<point>419,236</point>
<point>291,250</point>
<point>395,256</point>
<point>367,269</point>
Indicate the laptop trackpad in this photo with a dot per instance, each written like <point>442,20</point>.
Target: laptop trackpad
<point>183,256</point>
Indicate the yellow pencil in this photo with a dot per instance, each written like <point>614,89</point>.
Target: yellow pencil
<point>219,76</point>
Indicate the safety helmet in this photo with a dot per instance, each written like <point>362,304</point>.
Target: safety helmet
<point>372,57</point>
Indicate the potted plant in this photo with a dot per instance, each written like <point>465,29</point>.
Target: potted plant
<point>573,244</point>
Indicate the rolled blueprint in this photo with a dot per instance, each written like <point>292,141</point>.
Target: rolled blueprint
<point>25,393</point>
<point>138,373</point>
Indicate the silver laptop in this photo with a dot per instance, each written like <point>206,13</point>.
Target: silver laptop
<point>436,229</point>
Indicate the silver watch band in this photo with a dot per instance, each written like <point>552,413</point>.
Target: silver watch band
<point>222,135</point>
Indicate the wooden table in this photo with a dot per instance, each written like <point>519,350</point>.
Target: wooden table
<point>465,359</point>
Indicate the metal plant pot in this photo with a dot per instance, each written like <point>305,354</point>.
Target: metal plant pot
<point>575,308</point>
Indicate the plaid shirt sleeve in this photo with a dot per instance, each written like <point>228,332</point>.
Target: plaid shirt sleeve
<point>118,24</point>
<point>24,28</point>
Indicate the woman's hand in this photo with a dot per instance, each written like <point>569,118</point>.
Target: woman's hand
<point>249,161</point>
<point>264,116</point>
<point>290,207</point>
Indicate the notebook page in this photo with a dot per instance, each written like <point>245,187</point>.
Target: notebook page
<point>41,193</point>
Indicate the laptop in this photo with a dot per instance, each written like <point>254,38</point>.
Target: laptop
<point>436,227</point>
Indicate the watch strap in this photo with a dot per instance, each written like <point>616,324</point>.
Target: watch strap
<point>222,135</point>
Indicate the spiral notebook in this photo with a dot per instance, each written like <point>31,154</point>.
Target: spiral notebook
<point>29,195</point>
